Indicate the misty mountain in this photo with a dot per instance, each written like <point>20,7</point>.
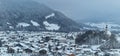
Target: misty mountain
<point>29,15</point>
<point>113,27</point>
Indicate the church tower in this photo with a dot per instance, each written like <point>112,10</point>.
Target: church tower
<point>106,28</point>
<point>107,32</point>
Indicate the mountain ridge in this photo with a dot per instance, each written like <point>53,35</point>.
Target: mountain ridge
<point>28,15</point>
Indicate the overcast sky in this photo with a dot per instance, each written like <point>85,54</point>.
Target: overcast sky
<point>108,10</point>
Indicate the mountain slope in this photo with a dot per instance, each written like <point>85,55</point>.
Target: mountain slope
<point>113,27</point>
<point>29,15</point>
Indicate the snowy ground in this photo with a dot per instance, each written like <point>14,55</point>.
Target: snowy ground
<point>32,40</point>
<point>101,26</point>
<point>61,44</point>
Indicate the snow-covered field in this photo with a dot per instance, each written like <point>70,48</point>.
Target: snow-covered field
<point>35,23</point>
<point>51,26</point>
<point>23,24</point>
<point>101,26</point>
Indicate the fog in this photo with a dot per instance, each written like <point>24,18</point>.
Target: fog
<point>87,10</point>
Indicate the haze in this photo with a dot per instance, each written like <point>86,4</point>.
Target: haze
<point>87,10</point>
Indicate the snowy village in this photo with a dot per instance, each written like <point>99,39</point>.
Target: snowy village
<point>59,28</point>
<point>23,43</point>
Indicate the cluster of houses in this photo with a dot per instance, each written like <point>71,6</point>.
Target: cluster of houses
<point>47,44</point>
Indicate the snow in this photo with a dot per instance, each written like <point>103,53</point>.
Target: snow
<point>101,53</point>
<point>50,26</point>
<point>51,15</point>
<point>32,38</point>
<point>23,24</point>
<point>87,49</point>
<point>101,26</point>
<point>108,33</point>
<point>95,47</point>
<point>35,23</point>
<point>118,38</point>
<point>8,23</point>
<point>3,49</point>
<point>11,27</point>
<point>25,46</point>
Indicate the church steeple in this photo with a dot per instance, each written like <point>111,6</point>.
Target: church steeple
<point>107,32</point>
<point>106,28</point>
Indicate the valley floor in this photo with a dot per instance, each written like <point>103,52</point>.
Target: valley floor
<point>47,44</point>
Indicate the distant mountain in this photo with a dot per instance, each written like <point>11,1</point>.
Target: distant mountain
<point>29,15</point>
<point>101,26</point>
